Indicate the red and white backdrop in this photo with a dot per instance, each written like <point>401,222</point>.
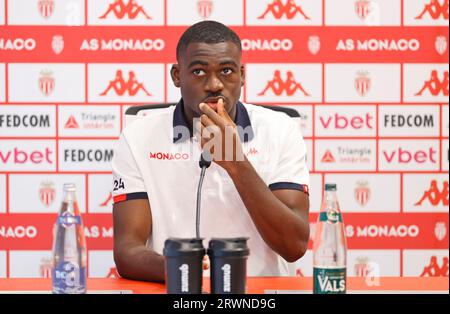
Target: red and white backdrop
<point>369,78</point>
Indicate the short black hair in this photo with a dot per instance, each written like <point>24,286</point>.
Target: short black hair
<point>210,32</point>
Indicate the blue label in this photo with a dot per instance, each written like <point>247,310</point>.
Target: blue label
<point>67,219</point>
<point>68,277</point>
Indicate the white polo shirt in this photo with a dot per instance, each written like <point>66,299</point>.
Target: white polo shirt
<point>152,161</point>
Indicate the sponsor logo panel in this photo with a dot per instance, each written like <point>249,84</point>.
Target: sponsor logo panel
<point>302,267</point>
<point>444,156</point>
<point>23,155</point>
<point>425,263</point>
<point>92,121</point>
<point>125,12</point>
<point>305,119</point>
<point>363,12</point>
<point>284,83</point>
<point>27,121</point>
<point>87,155</point>
<point>46,12</point>
<point>284,12</point>
<point>412,155</point>
<point>34,232</point>
<point>30,264</point>
<point>44,192</point>
<point>425,83</point>
<point>338,121</point>
<point>46,82</point>
<point>309,156</point>
<point>315,192</point>
<point>445,120</point>
<point>373,263</point>
<point>351,155</point>
<point>425,193</point>
<point>362,83</point>
<point>2,193</point>
<point>2,82</point>
<point>2,12</point>
<point>100,195</point>
<point>188,12</point>
<point>101,265</point>
<point>426,13</point>
<point>367,192</point>
<point>409,121</point>
<point>2,264</point>
<point>126,82</point>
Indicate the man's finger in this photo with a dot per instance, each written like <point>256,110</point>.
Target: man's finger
<point>222,112</point>
<point>214,116</point>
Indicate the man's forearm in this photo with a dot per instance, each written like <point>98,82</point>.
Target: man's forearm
<point>139,263</point>
<point>282,229</point>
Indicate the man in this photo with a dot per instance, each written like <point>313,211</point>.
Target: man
<point>257,187</point>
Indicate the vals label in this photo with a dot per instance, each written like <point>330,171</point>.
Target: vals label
<point>329,280</point>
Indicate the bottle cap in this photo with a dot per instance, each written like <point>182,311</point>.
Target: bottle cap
<point>184,247</point>
<point>69,186</point>
<point>228,247</point>
<point>330,187</point>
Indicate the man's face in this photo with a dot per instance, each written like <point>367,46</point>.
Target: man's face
<point>208,72</point>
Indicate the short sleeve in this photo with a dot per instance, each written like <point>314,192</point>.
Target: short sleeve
<point>128,183</point>
<point>291,171</point>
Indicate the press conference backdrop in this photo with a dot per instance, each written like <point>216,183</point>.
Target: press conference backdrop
<point>368,77</point>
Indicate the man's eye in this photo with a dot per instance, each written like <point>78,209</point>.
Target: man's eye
<point>198,72</point>
<point>227,71</point>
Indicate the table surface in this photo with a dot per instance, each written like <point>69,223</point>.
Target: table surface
<point>255,285</point>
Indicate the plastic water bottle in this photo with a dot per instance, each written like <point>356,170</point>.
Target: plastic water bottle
<point>69,247</point>
<point>330,247</point>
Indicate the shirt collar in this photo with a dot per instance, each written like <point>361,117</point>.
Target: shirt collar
<point>242,120</point>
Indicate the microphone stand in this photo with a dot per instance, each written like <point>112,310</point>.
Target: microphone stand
<point>204,163</point>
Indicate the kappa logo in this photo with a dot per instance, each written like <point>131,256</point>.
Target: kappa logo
<point>278,86</point>
<point>328,157</point>
<point>299,273</point>
<point>120,86</point>
<point>46,8</point>
<point>441,45</point>
<point>252,151</point>
<point>288,9</point>
<point>46,82</point>
<point>434,85</point>
<point>107,201</point>
<point>47,193</point>
<point>362,192</point>
<point>363,8</point>
<point>131,9</point>
<point>434,195</point>
<point>113,273</point>
<point>71,123</point>
<point>434,270</point>
<point>205,8</point>
<point>435,10</point>
<point>362,82</point>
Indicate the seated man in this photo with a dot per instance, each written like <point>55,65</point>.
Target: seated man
<point>257,187</point>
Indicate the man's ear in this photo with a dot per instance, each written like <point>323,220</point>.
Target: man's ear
<point>175,74</point>
<point>242,75</point>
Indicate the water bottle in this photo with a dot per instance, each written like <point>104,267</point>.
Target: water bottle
<point>69,247</point>
<point>330,247</point>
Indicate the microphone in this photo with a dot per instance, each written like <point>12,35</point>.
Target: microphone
<point>204,163</point>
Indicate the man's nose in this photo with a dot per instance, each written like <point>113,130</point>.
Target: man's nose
<point>213,84</point>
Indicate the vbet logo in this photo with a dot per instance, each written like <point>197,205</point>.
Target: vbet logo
<point>287,83</point>
<point>126,12</point>
<point>284,12</point>
<point>426,12</point>
<point>126,82</point>
<point>92,121</point>
<point>425,193</point>
<point>25,155</point>
<point>351,155</point>
<point>426,83</point>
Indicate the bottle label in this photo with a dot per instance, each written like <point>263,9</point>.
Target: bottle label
<point>67,219</point>
<point>68,277</point>
<point>329,280</point>
<point>330,216</point>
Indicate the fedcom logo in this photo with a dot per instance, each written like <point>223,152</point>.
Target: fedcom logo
<point>94,155</point>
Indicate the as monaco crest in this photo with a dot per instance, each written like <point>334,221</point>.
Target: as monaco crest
<point>205,8</point>
<point>314,44</point>
<point>441,44</point>
<point>362,192</point>
<point>362,266</point>
<point>57,44</point>
<point>47,193</point>
<point>46,8</point>
<point>362,83</point>
<point>440,230</point>
<point>46,82</point>
<point>363,8</point>
<point>45,267</point>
